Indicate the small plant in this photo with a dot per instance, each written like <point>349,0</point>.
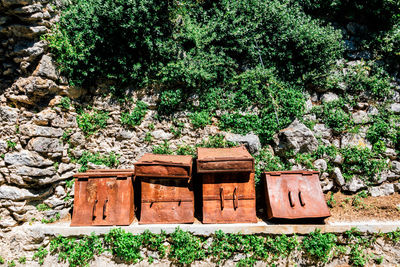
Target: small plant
<point>11,145</point>
<point>42,207</point>
<point>186,150</point>
<point>331,201</point>
<point>76,252</point>
<point>40,255</point>
<point>136,116</point>
<point>379,260</point>
<point>22,260</point>
<point>110,160</point>
<point>151,127</point>
<point>216,141</point>
<point>1,260</point>
<point>319,246</point>
<point>125,246</point>
<point>65,102</point>
<point>148,138</point>
<point>177,128</point>
<point>170,101</point>
<point>66,135</point>
<point>200,119</point>
<point>56,218</point>
<point>69,183</point>
<point>185,247</point>
<point>90,122</point>
<point>163,148</point>
<point>11,263</point>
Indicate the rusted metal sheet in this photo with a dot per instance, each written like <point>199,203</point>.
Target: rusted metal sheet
<point>103,198</point>
<point>234,159</point>
<point>227,185</point>
<point>166,191</point>
<point>294,195</point>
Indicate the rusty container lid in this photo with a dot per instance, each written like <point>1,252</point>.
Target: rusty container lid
<point>294,195</point>
<point>104,173</point>
<point>233,159</point>
<point>164,166</point>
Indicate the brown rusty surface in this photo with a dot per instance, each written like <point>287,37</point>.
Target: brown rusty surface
<point>103,198</point>
<point>166,194</point>
<point>234,159</point>
<point>155,165</point>
<point>294,195</point>
<point>229,197</point>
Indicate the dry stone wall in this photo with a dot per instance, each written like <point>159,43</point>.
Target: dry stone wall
<point>40,138</point>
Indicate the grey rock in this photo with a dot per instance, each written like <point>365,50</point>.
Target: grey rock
<point>251,141</point>
<point>45,145</point>
<point>308,106</point>
<point>396,167</point>
<point>320,164</point>
<point>46,68</point>
<point>372,111</point>
<point>77,139</point>
<point>354,185</point>
<point>60,191</point>
<point>161,135</point>
<point>338,159</point>
<point>326,185</point>
<point>44,117</point>
<point>338,177</point>
<point>354,139</point>
<point>35,172</point>
<point>62,168</point>
<point>296,137</point>
<point>320,130</point>
<point>34,130</point>
<point>8,3</point>
<point>383,190</point>
<point>360,117</point>
<point>329,97</point>
<point>390,153</point>
<point>53,202</point>
<point>17,194</point>
<point>395,108</point>
<point>8,114</point>
<point>27,158</point>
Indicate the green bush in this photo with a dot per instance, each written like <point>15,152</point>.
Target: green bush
<point>118,40</point>
<point>163,148</point>
<point>384,128</point>
<point>125,246</point>
<point>136,116</point>
<point>91,121</point>
<point>200,119</point>
<point>110,160</point>
<point>319,246</point>
<point>185,247</point>
<point>170,101</point>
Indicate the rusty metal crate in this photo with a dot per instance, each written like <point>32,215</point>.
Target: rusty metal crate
<point>103,197</point>
<point>228,190</point>
<point>294,195</point>
<point>166,192</point>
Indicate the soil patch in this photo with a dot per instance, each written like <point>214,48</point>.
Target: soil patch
<point>352,208</point>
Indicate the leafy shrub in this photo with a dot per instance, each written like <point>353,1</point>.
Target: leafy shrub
<point>216,141</point>
<point>170,101</point>
<point>65,102</point>
<point>185,247</point>
<point>110,160</point>
<point>90,122</point>
<point>118,40</point>
<point>136,116</point>
<point>163,148</point>
<point>200,119</point>
<point>265,161</point>
<point>384,128</point>
<point>319,245</point>
<point>389,46</point>
<point>125,246</point>
<point>76,252</point>
<point>40,255</point>
<point>42,207</point>
<point>361,161</point>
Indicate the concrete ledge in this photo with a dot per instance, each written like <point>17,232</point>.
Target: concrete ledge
<point>206,229</point>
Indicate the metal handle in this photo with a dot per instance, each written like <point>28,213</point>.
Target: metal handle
<point>235,199</point>
<point>302,203</point>
<point>94,210</point>
<point>221,194</point>
<point>291,199</point>
<point>105,209</point>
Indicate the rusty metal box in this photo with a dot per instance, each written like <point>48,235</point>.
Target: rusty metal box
<point>294,195</point>
<point>103,197</point>
<point>166,193</point>
<point>228,189</point>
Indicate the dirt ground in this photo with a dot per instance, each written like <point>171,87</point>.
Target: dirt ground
<point>356,208</point>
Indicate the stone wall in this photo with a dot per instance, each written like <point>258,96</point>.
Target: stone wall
<point>36,160</point>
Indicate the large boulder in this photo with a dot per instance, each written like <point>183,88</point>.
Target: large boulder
<point>17,194</point>
<point>354,185</point>
<point>8,114</point>
<point>46,68</point>
<point>251,141</point>
<point>45,145</point>
<point>34,130</point>
<point>296,137</point>
<point>383,190</point>
<point>28,158</point>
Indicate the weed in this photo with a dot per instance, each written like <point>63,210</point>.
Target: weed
<point>185,247</point>
<point>90,122</point>
<point>40,255</point>
<point>148,138</point>
<point>163,148</point>
<point>22,260</point>
<point>65,102</point>
<point>186,150</point>
<point>11,145</point>
<point>1,260</point>
<point>125,246</point>
<point>216,141</point>
<point>66,135</point>
<point>136,116</point>
<point>69,183</point>
<point>110,160</point>
<point>177,128</point>
<point>42,207</point>
<point>320,246</point>
<point>331,201</point>
<point>11,263</point>
<point>200,119</point>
